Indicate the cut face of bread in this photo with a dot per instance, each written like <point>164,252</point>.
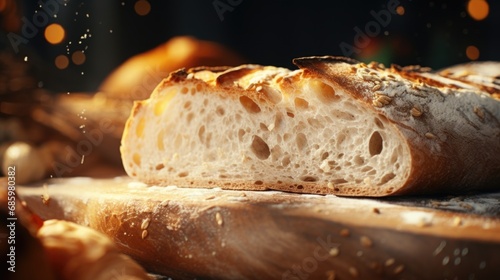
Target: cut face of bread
<point>331,127</point>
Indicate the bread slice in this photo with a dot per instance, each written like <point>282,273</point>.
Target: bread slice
<point>334,126</point>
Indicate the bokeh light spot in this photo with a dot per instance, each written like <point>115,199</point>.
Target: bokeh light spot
<point>400,10</point>
<point>478,9</point>
<point>3,5</point>
<point>78,57</point>
<point>62,61</point>
<point>472,52</point>
<point>54,33</point>
<point>142,7</point>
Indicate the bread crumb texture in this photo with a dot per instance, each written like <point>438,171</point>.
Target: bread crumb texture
<point>320,129</point>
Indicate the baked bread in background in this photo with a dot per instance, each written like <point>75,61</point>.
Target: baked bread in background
<point>139,75</point>
<point>484,75</point>
<point>334,126</point>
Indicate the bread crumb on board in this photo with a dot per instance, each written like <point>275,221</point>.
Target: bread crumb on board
<point>345,232</point>
<point>144,234</point>
<point>390,262</point>
<point>218,219</point>
<point>145,223</point>
<point>366,242</point>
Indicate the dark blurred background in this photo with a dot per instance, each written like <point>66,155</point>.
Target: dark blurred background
<point>429,33</point>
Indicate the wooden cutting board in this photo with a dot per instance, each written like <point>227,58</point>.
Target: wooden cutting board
<point>220,234</point>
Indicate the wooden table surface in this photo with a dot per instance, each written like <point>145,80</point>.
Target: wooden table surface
<point>221,234</point>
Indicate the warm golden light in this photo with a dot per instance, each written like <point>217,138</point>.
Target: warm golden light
<point>472,52</point>
<point>54,33</point>
<point>62,61</point>
<point>142,7</point>
<point>78,57</point>
<point>478,9</point>
<point>400,10</point>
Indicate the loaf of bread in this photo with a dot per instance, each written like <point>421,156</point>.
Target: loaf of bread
<point>138,76</point>
<point>333,126</point>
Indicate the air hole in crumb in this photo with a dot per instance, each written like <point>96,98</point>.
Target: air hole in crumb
<point>208,139</point>
<point>263,127</point>
<point>301,140</point>
<point>300,187</point>
<point>287,137</point>
<point>301,103</point>
<point>345,116</point>
<point>359,160</point>
<point>139,130</point>
<point>160,107</point>
<point>183,174</point>
<point>309,179</point>
<point>201,134</point>
<point>375,144</point>
<point>387,178</point>
<point>379,123</point>
<point>184,90</point>
<point>278,121</point>
<point>366,169</point>
<point>394,157</point>
<point>276,152</point>
<point>241,133</point>
<point>290,114</point>
<point>258,182</point>
<point>339,181</point>
<point>341,138</point>
<point>249,104</point>
<point>315,123</point>
<point>324,155</point>
<point>285,161</point>
<point>187,105</point>
<point>220,111</point>
<point>189,117</point>
<point>159,166</point>
<point>325,92</point>
<point>260,148</point>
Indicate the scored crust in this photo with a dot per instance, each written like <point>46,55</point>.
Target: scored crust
<point>333,126</point>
